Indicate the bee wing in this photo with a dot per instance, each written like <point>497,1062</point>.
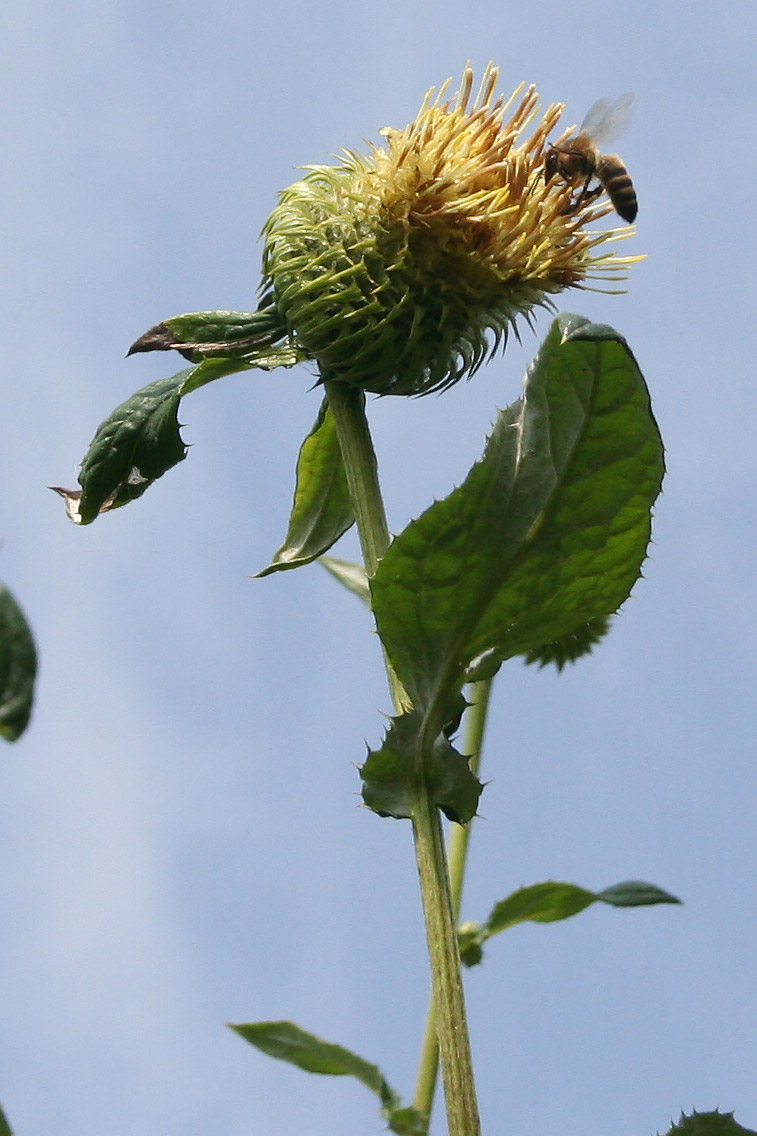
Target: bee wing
<point>608,117</point>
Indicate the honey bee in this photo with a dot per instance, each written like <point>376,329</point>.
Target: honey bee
<point>578,160</point>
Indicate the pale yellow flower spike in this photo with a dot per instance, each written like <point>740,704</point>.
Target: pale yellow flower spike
<point>400,270</point>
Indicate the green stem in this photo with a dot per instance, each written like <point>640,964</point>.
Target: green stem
<point>347,407</point>
<point>450,1020</point>
<point>457,854</point>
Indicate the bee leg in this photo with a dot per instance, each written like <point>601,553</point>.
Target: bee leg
<point>585,196</point>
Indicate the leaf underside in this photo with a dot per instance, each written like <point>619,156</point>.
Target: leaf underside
<point>321,511</point>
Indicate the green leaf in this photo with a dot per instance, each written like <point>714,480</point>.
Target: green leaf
<point>247,337</point>
<point>138,442</point>
<point>321,511</point>
<point>353,576</point>
<point>550,902</point>
<point>18,669</point>
<point>198,335</point>
<point>570,647</point>
<point>131,449</point>
<point>543,903</point>
<point>709,1124</point>
<point>287,1042</point>
<point>5,1128</point>
<point>389,774</point>
<point>544,538</point>
<point>635,893</point>
<point>208,371</point>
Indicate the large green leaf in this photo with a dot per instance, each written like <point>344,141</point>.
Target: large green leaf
<point>287,1042</point>
<point>18,669</point>
<point>550,902</point>
<point>321,511</point>
<point>547,533</point>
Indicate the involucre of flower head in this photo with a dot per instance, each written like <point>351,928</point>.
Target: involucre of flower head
<point>401,270</point>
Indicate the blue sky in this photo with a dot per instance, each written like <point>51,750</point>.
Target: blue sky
<point>180,838</point>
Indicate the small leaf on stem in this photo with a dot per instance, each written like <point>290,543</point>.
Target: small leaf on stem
<point>321,511</point>
<point>353,576</point>
<point>550,902</point>
<point>288,1042</point>
<point>389,774</point>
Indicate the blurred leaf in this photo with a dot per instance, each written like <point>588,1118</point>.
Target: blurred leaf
<point>550,902</point>
<point>546,535</point>
<point>353,576</point>
<point>708,1124</point>
<point>389,774</point>
<point>5,1128</point>
<point>287,1042</point>
<point>635,893</point>
<point>18,669</point>
<point>321,511</point>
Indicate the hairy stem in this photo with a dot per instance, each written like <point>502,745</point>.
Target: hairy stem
<point>451,1027</point>
<point>457,854</point>
<point>347,406</point>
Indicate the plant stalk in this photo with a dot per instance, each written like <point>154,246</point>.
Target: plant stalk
<point>448,1000</point>
<point>457,854</point>
<point>347,405</point>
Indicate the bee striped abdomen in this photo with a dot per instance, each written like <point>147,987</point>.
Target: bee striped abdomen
<point>618,186</point>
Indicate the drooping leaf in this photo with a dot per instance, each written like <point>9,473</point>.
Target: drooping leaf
<point>5,1128</point>
<point>353,576</point>
<point>389,774</point>
<point>709,1124</point>
<point>18,669</point>
<point>131,449</point>
<point>550,902</point>
<point>288,1042</point>
<point>546,535</point>
<point>138,442</point>
<point>321,511</point>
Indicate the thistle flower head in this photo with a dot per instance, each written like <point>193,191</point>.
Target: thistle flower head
<point>402,269</point>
